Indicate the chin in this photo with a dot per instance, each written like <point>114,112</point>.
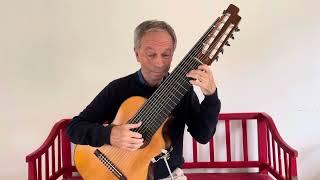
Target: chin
<point>159,75</point>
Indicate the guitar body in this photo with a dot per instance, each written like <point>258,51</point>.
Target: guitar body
<point>133,164</point>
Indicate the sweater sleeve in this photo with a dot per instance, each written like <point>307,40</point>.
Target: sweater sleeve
<point>87,128</point>
<point>202,119</point>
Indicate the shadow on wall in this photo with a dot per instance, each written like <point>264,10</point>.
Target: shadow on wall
<point>308,158</point>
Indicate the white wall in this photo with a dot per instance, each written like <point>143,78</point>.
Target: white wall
<point>55,56</point>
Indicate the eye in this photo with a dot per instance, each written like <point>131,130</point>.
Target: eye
<point>151,55</point>
<point>166,56</point>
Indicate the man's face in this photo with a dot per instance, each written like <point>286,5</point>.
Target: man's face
<point>155,55</point>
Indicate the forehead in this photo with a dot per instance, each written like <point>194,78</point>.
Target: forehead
<point>157,39</point>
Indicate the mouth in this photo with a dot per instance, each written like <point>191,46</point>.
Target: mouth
<point>159,73</point>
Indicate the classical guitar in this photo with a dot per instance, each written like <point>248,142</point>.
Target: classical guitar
<point>108,162</point>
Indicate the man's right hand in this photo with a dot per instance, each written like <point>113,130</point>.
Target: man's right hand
<point>122,137</point>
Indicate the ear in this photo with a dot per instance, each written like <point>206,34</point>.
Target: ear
<point>136,53</point>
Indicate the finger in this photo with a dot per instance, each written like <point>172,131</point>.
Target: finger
<point>134,135</point>
<point>198,76</point>
<point>131,142</point>
<point>130,148</point>
<point>133,147</point>
<point>192,75</point>
<point>204,67</point>
<point>132,126</point>
<point>206,90</point>
<point>135,140</point>
<point>197,83</point>
<point>198,73</point>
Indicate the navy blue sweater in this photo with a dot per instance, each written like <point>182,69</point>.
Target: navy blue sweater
<point>201,119</point>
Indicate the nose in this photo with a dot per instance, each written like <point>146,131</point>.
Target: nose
<point>159,62</point>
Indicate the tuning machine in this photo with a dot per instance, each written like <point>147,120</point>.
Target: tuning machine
<point>217,58</point>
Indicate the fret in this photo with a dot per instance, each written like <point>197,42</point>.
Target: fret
<point>162,114</point>
<point>190,67</point>
<point>178,92</point>
<point>174,95</point>
<point>168,104</point>
<point>185,80</point>
<point>166,101</point>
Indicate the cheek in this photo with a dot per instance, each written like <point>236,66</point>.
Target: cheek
<point>147,64</point>
<point>168,62</point>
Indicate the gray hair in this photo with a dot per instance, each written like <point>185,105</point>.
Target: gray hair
<point>153,25</point>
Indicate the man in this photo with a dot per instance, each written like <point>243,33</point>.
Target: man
<point>154,45</point>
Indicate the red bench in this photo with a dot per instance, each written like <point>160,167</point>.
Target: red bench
<point>276,159</point>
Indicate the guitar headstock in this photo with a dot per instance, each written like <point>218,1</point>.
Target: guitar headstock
<point>218,35</point>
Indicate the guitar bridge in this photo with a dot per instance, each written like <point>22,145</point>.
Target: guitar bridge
<point>106,162</point>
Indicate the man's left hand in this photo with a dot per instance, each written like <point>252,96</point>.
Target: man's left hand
<point>203,78</point>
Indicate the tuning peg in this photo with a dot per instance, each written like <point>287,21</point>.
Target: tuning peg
<point>217,58</point>
<point>227,43</point>
<point>232,36</point>
<point>222,51</point>
<point>237,29</point>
